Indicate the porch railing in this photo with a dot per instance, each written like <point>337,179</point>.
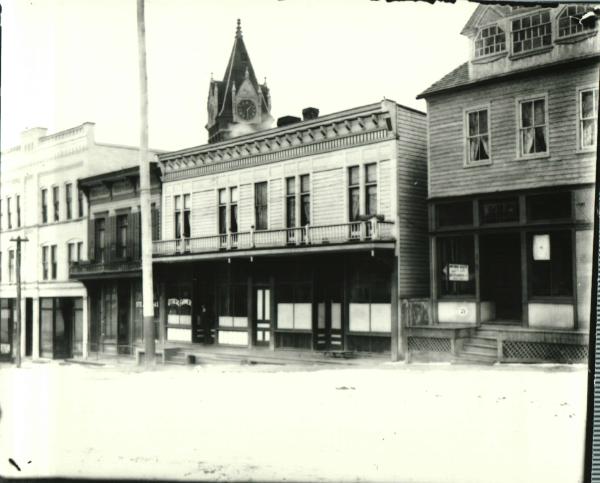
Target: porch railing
<point>93,268</point>
<point>356,231</point>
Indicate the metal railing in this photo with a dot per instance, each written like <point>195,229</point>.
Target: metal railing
<point>356,231</point>
<point>90,268</point>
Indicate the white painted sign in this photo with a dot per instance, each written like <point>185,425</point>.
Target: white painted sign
<point>458,272</point>
<point>541,247</point>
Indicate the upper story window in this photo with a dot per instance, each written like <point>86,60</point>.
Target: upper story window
<point>297,200</point>
<point>261,206</point>
<point>56,203</point>
<point>44,206</point>
<point>233,209</point>
<point>490,40</point>
<point>353,193</point>
<point>45,262</point>
<point>122,226</point>
<point>9,212</point>
<point>100,241</point>
<point>531,32</point>
<point>222,211</point>
<point>18,210</point>
<point>588,117</point>
<point>371,189</point>
<point>478,136</point>
<point>182,216</point>
<point>53,261</point>
<point>11,265</point>
<point>568,20</point>
<point>69,200</point>
<point>533,127</point>
<point>79,203</point>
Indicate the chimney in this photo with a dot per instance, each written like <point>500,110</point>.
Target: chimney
<point>287,120</point>
<point>309,113</point>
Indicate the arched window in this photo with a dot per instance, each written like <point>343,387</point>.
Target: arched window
<point>490,40</point>
<point>568,20</point>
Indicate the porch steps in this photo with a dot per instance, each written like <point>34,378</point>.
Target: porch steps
<point>481,348</point>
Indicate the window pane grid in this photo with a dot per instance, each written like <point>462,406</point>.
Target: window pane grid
<point>478,136</point>
<point>533,127</point>
<point>568,20</point>
<point>490,40</point>
<point>531,32</point>
<point>588,113</point>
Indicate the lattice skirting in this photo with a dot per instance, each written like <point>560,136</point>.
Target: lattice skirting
<point>428,344</point>
<point>544,351</point>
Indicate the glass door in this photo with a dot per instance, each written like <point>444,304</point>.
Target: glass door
<point>262,318</point>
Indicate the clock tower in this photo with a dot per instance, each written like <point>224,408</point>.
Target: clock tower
<point>238,104</point>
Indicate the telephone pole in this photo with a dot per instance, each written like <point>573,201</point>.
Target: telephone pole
<point>147,290</point>
<point>17,326</point>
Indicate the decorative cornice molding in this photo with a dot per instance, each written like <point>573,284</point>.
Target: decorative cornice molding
<point>329,135</point>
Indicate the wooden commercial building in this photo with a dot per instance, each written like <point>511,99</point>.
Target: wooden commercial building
<point>290,238</point>
<point>112,272</point>
<point>512,167</point>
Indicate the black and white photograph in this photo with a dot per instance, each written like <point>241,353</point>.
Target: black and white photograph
<point>298,240</point>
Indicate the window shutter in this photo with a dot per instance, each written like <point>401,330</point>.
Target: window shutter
<point>91,240</point>
<point>111,246</point>
<point>135,232</point>
<point>130,235</point>
<point>155,224</point>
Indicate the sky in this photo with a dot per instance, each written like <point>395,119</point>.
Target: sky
<point>65,62</point>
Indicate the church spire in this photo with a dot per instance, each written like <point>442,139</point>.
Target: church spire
<point>238,30</point>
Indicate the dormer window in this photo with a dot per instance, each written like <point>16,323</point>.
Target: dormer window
<point>490,40</point>
<point>568,20</point>
<point>531,32</point>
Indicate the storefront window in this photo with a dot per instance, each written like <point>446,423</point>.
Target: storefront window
<point>454,214</point>
<point>549,206</point>
<point>456,265</point>
<point>499,211</point>
<point>550,255</point>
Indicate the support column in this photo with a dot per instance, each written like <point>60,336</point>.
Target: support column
<point>250,313</point>
<point>273,311</point>
<point>85,333</point>
<point>23,327</point>
<point>162,313</point>
<point>524,281</point>
<point>35,327</point>
<point>395,306</point>
<point>477,279</point>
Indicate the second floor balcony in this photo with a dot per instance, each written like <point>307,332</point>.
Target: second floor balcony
<point>356,232</point>
<point>102,267</point>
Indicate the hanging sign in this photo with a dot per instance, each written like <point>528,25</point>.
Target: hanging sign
<point>541,247</point>
<point>458,272</point>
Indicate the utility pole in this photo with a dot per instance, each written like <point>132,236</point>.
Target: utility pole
<point>17,326</point>
<point>147,291</point>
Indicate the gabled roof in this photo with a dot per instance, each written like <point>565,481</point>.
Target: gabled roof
<point>235,73</point>
<point>458,76</point>
<point>480,14</point>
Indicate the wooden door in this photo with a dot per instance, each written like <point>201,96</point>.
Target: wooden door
<point>262,316</point>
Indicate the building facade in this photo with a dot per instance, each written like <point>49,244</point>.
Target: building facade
<point>290,238</point>
<point>112,272</point>
<point>40,199</point>
<point>512,159</point>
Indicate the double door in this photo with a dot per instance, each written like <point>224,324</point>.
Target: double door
<point>329,317</point>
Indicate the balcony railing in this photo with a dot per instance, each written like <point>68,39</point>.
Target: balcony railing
<point>85,268</point>
<point>357,231</point>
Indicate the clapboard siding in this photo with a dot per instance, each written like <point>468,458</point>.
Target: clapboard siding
<point>412,204</point>
<point>246,207</point>
<point>204,213</point>
<point>168,232</point>
<point>275,203</point>
<point>328,197</point>
<point>449,177</point>
<point>385,193</point>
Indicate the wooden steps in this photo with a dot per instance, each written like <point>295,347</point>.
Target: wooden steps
<point>481,348</point>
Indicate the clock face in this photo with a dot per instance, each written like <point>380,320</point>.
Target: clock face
<point>246,109</point>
